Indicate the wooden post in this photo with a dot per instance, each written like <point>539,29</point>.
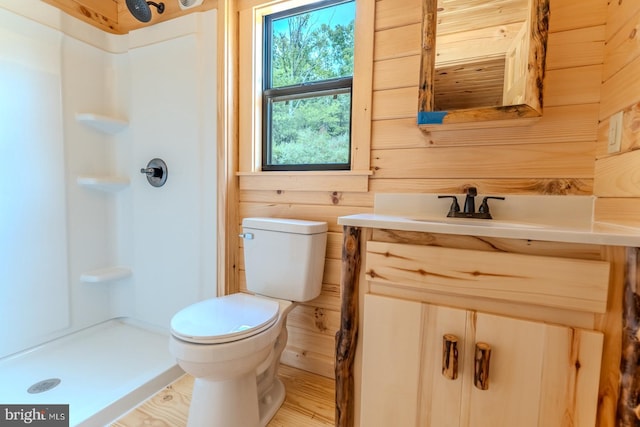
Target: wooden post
<point>346,337</point>
<point>629,400</point>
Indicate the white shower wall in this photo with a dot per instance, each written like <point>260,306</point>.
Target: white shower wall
<point>172,100</point>
<point>163,80</point>
<point>34,292</point>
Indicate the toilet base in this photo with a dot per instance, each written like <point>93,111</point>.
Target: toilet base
<point>211,402</point>
<point>230,403</point>
<point>271,402</point>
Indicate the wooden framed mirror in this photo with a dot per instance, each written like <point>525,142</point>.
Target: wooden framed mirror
<point>482,62</point>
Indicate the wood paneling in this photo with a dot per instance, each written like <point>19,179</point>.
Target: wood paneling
<point>395,103</point>
<point>397,13</point>
<point>618,176</point>
<point>330,198</point>
<point>621,90</point>
<point>615,174</point>
<point>617,14</point>
<point>568,86</point>
<point>455,16</point>
<point>576,48</point>
<point>300,182</point>
<point>547,186</point>
<point>512,161</point>
<point>397,42</point>
<point>570,14</point>
<point>572,123</point>
<point>623,47</point>
<point>623,211</point>
<point>396,73</point>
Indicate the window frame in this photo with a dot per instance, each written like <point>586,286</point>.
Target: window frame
<point>246,84</point>
<point>327,87</point>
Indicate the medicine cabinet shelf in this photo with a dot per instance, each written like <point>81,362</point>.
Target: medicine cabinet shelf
<point>104,183</point>
<point>102,123</point>
<point>103,275</point>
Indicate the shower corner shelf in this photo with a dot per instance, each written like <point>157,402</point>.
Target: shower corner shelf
<point>106,124</point>
<point>104,183</point>
<point>104,275</point>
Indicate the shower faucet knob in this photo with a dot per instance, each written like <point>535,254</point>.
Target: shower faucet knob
<point>156,172</point>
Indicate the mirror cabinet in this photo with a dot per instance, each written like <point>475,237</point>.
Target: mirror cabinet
<point>482,62</point>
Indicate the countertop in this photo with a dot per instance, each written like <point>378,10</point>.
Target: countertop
<point>526,217</point>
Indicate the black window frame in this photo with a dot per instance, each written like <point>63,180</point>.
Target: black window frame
<point>336,86</point>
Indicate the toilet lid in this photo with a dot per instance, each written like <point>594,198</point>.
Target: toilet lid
<point>224,319</point>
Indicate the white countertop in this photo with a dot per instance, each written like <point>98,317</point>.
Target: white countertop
<point>526,217</point>
<point>597,233</point>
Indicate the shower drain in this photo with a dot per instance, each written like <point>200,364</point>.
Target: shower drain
<point>44,385</point>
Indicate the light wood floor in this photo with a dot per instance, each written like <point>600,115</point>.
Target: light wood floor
<point>309,403</point>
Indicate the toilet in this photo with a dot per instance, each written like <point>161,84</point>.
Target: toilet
<point>232,344</point>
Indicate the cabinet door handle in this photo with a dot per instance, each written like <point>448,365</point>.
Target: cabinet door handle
<point>450,356</point>
<point>481,365</point>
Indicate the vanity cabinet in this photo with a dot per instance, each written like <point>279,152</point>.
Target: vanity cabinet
<point>536,314</point>
<point>539,374</point>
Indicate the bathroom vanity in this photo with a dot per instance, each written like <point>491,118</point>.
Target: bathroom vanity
<point>512,321</point>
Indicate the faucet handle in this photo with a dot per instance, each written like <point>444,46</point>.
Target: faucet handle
<point>484,207</point>
<point>454,208</point>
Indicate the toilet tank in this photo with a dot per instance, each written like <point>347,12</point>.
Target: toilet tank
<point>284,258</point>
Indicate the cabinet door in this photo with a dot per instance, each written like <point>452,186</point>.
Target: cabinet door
<point>539,375</point>
<point>440,396</point>
<point>390,362</point>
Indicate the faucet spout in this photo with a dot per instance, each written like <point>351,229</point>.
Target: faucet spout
<point>470,201</point>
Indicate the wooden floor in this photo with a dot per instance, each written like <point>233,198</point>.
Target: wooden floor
<point>309,403</point>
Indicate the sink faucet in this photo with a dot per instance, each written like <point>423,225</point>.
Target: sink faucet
<point>469,210</point>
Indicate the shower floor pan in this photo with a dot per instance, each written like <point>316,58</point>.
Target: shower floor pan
<point>103,372</point>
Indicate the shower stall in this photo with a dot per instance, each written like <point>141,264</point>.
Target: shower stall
<point>94,260</point>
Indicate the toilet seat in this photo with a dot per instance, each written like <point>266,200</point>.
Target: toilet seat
<point>224,319</point>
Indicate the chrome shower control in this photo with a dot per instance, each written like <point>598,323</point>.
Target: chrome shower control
<point>248,236</point>
<point>156,172</point>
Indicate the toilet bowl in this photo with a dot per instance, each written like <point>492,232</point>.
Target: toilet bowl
<point>232,344</point>
<point>227,360</point>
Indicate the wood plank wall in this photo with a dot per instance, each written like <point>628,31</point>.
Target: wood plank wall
<point>617,176</point>
<point>556,155</point>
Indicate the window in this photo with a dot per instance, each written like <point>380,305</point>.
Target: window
<point>307,82</point>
